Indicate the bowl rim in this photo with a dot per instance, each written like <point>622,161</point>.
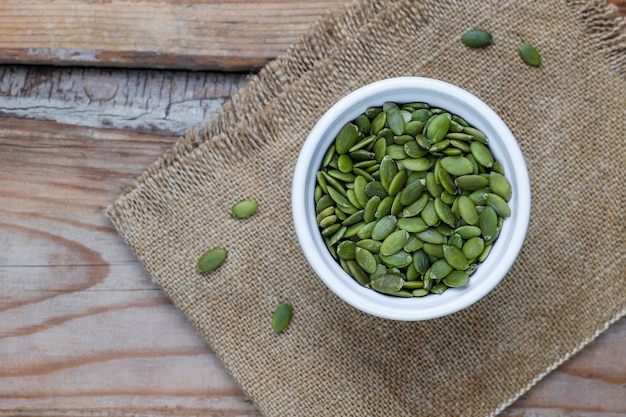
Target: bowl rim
<point>451,98</point>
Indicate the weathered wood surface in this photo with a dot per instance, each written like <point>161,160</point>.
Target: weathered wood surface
<point>208,34</point>
<point>83,330</point>
<point>199,34</point>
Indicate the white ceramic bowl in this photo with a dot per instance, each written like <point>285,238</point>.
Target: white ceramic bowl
<point>504,148</point>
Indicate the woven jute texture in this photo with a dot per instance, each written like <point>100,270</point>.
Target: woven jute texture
<point>567,286</point>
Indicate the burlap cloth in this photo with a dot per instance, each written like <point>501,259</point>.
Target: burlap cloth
<point>567,286</point>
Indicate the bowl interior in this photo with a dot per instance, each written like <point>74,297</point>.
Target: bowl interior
<point>504,148</point>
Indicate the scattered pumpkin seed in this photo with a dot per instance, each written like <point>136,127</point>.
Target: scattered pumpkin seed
<point>476,38</point>
<point>282,316</point>
<point>529,55</point>
<point>244,209</point>
<point>212,259</point>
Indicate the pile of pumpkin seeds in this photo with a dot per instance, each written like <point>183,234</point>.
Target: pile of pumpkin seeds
<point>409,199</point>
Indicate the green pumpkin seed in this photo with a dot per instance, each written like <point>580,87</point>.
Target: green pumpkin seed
<point>412,244</point>
<point>467,210</point>
<point>421,262</point>
<point>363,124</point>
<point>394,242</point>
<point>433,250</point>
<point>412,192</point>
<point>380,149</point>
<point>344,163</point>
<point>378,123</point>
<point>455,257</point>
<point>498,204</point>
<point>395,121</point>
<point>457,165</point>
<point>456,240</point>
<point>365,259</point>
<point>431,235</point>
<point>384,227</point>
<point>212,259</point>
<point>439,288</point>
<point>412,224</point>
<point>355,271</point>
<point>488,222</point>
<point>328,221</point>
<point>397,183</point>
<point>346,138</point>
<point>473,247</point>
<point>244,209</point>
<point>429,214</point>
<point>376,188</point>
<point>500,185</point>
<point>384,208</point>
<point>438,127</point>
<point>420,292</point>
<point>400,259</point>
<point>440,269</point>
<point>416,207</point>
<point>476,134</point>
<point>481,154</point>
<point>282,316</point>
<point>388,283</point>
<point>346,250</point>
<point>369,211</point>
<point>370,244</point>
<point>388,169</point>
<point>529,55</point>
<point>471,182</point>
<point>444,212</point>
<point>467,231</point>
<point>329,211</point>
<point>456,279</point>
<point>365,232</point>
<point>476,38</point>
<point>413,285</point>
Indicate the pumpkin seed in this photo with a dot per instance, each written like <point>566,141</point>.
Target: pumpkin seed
<point>467,210</point>
<point>473,247</point>
<point>365,259</point>
<point>394,242</point>
<point>384,227</point>
<point>212,259</point>
<point>456,278</point>
<point>476,38</point>
<point>387,283</point>
<point>438,128</point>
<point>529,55</point>
<point>500,185</point>
<point>346,138</point>
<point>455,257</point>
<point>282,316</point>
<point>244,209</point>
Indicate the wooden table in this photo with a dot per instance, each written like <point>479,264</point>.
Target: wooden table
<point>83,330</point>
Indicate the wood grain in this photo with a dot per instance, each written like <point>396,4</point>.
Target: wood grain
<point>209,34</point>
<point>147,101</point>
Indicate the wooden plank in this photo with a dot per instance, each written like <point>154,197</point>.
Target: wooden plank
<point>204,34</point>
<point>83,330</point>
<point>147,101</point>
<point>82,327</point>
<point>209,34</point>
